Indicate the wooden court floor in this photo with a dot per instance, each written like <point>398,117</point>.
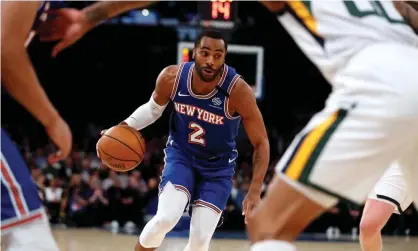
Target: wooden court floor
<point>98,240</point>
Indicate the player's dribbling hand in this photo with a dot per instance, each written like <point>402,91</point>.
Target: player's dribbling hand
<point>250,201</point>
<point>101,134</point>
<point>67,25</point>
<point>59,132</point>
<point>97,149</point>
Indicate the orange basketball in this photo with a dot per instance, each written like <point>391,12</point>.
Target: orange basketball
<point>121,148</point>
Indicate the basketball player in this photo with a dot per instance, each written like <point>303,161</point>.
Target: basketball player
<point>210,100</point>
<point>24,224</point>
<point>369,120</point>
<point>390,194</point>
<point>361,97</point>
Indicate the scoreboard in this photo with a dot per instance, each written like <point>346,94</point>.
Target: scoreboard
<point>220,14</point>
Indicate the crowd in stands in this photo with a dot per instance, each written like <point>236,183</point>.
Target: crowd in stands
<point>82,192</point>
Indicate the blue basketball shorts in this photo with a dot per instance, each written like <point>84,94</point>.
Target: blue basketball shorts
<point>20,202</point>
<point>207,183</point>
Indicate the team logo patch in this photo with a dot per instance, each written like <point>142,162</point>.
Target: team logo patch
<point>216,101</point>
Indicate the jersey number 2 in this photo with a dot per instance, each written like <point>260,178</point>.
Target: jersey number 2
<point>196,137</point>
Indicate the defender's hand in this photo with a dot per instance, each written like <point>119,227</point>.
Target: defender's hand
<point>59,132</point>
<point>67,25</point>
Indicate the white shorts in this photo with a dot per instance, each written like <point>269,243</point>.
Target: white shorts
<point>392,189</point>
<point>370,121</point>
<point>33,236</point>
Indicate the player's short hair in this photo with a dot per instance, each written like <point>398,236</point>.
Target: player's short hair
<point>212,34</point>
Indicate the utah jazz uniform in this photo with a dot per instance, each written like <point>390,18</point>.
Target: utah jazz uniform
<point>392,187</point>
<point>200,154</point>
<point>368,53</point>
<point>24,224</point>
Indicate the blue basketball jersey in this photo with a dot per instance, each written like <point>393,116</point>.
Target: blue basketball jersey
<point>201,124</point>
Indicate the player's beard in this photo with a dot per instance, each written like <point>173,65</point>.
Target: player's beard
<point>206,78</point>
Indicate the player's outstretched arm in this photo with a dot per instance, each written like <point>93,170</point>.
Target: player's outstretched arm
<point>149,112</point>
<point>69,25</point>
<point>100,11</point>
<point>18,76</point>
<point>408,12</point>
<point>243,102</point>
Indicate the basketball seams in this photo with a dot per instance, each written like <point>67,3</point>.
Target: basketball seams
<point>101,149</point>
<point>123,144</point>
<point>118,138</point>
<point>136,136</point>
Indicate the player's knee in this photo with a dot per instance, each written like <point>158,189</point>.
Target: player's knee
<point>171,207</point>
<point>155,231</point>
<point>252,222</point>
<point>168,220</point>
<point>256,230</point>
<point>370,226</point>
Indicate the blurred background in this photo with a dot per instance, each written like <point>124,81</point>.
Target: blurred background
<point>103,78</point>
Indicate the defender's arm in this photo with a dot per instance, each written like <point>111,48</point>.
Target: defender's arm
<point>18,76</point>
<point>408,12</point>
<point>100,11</point>
<point>69,25</point>
<point>149,112</point>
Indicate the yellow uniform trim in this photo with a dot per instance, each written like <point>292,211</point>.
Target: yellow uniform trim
<point>305,15</point>
<point>304,152</point>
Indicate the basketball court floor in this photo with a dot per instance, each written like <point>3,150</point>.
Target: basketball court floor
<point>100,240</point>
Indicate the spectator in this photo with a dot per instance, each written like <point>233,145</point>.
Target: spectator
<point>97,208</point>
<point>53,197</point>
<point>81,191</point>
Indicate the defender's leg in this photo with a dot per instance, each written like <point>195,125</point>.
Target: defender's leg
<point>390,195</point>
<point>283,213</point>
<point>375,216</point>
<point>370,120</point>
<point>318,167</point>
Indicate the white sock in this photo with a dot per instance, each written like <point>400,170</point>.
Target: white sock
<point>273,245</point>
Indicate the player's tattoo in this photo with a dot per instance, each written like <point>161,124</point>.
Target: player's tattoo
<point>256,157</point>
<point>98,14</point>
<point>260,164</point>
